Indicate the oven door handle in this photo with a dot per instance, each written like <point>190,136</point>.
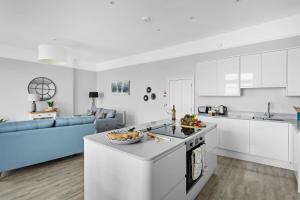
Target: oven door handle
<point>204,161</point>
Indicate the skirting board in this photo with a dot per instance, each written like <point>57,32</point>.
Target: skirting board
<point>253,158</point>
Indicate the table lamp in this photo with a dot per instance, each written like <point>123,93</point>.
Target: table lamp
<point>33,98</point>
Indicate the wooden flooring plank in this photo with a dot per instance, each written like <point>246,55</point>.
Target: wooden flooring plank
<point>235,180</point>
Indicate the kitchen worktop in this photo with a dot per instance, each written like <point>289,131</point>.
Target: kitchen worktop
<point>148,149</point>
<point>284,118</point>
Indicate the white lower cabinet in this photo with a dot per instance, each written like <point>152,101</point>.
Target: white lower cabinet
<point>266,142</point>
<point>234,135</point>
<point>178,193</point>
<point>168,172</point>
<point>296,142</point>
<point>269,139</point>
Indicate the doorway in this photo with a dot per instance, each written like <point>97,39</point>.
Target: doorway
<point>181,94</point>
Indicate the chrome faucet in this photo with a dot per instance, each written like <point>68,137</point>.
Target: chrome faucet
<point>268,113</point>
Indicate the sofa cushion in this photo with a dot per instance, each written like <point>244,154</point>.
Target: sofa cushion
<point>70,121</point>
<point>44,123</point>
<point>111,114</point>
<point>26,125</point>
<point>100,115</point>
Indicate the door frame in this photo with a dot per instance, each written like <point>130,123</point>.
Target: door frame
<point>192,78</point>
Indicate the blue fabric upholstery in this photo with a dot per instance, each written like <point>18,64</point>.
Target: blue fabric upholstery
<point>70,121</point>
<point>36,142</point>
<point>26,125</point>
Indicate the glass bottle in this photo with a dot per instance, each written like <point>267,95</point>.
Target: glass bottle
<point>173,113</point>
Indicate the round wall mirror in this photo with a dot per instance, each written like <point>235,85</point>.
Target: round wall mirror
<point>42,86</point>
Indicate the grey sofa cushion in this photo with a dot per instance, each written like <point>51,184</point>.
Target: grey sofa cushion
<point>103,113</point>
<point>111,114</point>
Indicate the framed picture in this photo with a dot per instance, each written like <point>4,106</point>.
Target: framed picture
<point>120,87</point>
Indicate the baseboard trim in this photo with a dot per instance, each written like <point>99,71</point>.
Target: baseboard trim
<point>253,158</point>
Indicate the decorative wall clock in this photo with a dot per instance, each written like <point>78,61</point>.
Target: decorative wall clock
<point>43,86</point>
<point>148,89</point>
<point>153,96</point>
<point>146,97</point>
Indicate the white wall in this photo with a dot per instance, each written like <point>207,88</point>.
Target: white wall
<point>84,82</point>
<point>156,74</point>
<point>15,76</point>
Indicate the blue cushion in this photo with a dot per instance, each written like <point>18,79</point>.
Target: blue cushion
<point>62,121</point>
<point>44,123</point>
<point>26,125</point>
<point>69,121</point>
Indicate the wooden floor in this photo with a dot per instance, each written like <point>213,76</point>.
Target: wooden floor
<point>236,180</point>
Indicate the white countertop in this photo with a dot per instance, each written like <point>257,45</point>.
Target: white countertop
<point>284,118</point>
<point>148,149</point>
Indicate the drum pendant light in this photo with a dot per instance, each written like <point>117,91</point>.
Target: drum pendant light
<point>51,54</point>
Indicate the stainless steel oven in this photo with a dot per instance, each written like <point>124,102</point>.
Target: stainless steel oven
<point>191,145</point>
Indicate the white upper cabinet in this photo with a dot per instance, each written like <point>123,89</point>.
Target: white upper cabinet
<point>206,78</point>
<point>228,71</point>
<point>250,71</point>
<point>264,70</point>
<point>293,81</point>
<point>218,78</point>
<point>274,69</point>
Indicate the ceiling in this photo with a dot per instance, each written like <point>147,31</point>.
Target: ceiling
<point>103,30</point>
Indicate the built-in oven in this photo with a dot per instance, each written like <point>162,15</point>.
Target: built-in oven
<point>193,148</point>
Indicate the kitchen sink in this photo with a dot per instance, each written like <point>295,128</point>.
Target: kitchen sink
<point>267,119</point>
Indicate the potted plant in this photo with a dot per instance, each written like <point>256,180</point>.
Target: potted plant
<point>50,106</point>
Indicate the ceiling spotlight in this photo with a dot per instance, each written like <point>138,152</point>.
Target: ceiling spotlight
<point>112,2</point>
<point>146,19</point>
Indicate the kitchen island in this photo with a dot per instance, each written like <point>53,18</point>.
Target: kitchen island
<point>148,170</point>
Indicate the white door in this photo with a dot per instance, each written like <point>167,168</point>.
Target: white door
<point>181,94</point>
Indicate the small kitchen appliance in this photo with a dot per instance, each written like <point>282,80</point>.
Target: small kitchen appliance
<point>222,110</point>
<point>203,109</point>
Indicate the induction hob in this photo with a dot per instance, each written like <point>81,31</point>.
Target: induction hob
<point>175,131</point>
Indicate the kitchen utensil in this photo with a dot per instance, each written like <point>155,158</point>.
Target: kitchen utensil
<point>158,136</point>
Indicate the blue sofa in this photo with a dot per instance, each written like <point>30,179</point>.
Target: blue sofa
<point>27,143</point>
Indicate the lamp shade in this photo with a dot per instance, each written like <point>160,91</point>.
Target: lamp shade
<point>51,54</point>
<point>33,97</point>
<point>93,94</point>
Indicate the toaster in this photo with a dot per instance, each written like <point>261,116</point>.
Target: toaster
<point>204,109</point>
